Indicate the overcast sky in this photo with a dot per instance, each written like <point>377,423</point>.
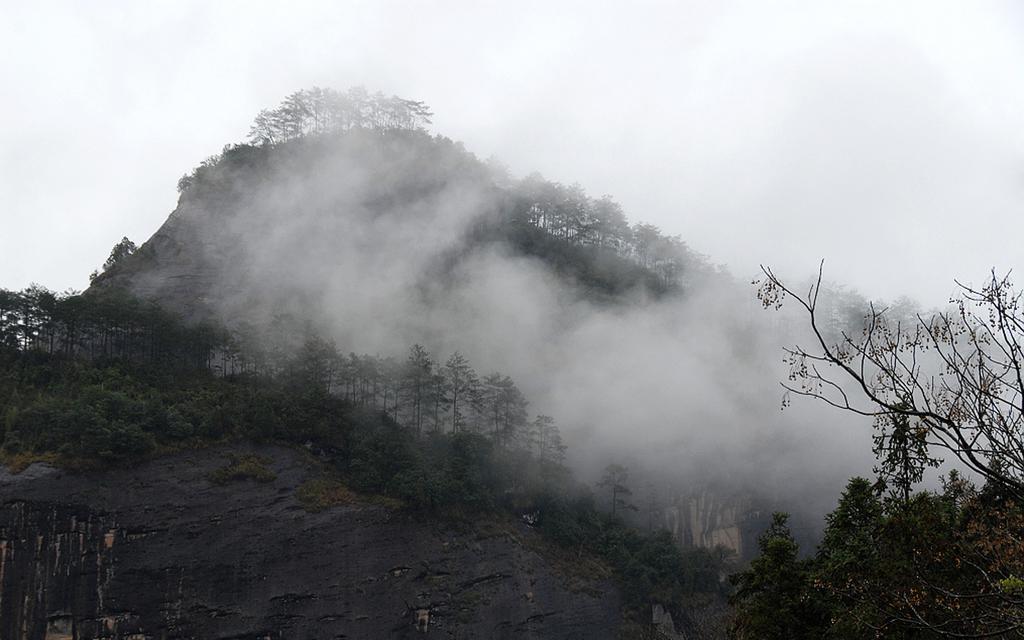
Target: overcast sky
<point>887,139</point>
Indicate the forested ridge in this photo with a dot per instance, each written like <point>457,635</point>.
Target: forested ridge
<point>586,238</point>
<point>565,212</point>
<point>419,392</point>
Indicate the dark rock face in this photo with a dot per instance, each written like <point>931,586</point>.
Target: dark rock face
<point>160,552</point>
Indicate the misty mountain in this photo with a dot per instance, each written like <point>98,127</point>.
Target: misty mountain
<point>378,237</point>
<point>396,215</point>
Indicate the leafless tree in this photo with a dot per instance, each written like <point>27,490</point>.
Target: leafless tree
<point>958,376</point>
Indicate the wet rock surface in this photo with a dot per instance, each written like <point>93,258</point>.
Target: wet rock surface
<point>161,552</point>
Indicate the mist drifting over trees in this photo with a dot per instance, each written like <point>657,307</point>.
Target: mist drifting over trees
<point>314,111</point>
<point>278,301</point>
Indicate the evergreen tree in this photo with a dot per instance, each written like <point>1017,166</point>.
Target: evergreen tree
<point>463,390</point>
<point>504,407</point>
<point>614,480</point>
<point>418,372</point>
<point>772,600</point>
<point>548,443</point>
<point>901,448</point>
<point>847,556</point>
<point>121,250</point>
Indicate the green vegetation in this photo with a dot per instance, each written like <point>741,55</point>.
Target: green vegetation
<point>941,564</point>
<point>317,111</point>
<point>244,467</point>
<point>100,380</point>
<point>651,567</point>
<point>323,493</point>
<point>771,597</point>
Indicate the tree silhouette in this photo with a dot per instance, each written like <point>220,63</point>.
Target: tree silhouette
<point>462,387</point>
<point>316,111</point>
<point>614,480</point>
<point>970,405</point>
<point>121,250</point>
<point>504,406</point>
<point>418,372</point>
<point>901,448</point>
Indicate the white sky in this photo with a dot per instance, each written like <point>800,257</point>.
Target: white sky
<point>887,139</point>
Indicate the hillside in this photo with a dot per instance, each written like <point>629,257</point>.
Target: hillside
<point>180,556</point>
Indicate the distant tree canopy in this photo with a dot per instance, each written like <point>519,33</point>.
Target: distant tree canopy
<point>105,325</point>
<point>568,214</point>
<point>317,110</point>
<point>586,238</point>
<point>418,393</point>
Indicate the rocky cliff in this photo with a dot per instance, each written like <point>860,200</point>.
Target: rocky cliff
<point>159,551</point>
<point>714,519</point>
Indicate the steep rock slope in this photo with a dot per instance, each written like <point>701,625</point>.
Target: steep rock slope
<point>161,552</point>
